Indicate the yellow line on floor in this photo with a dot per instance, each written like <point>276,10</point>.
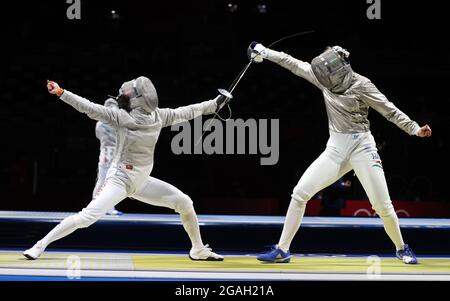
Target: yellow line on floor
<point>297,264</point>
<point>154,262</point>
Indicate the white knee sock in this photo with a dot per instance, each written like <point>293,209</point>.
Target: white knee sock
<point>190,224</point>
<point>64,228</point>
<point>292,223</point>
<point>392,228</point>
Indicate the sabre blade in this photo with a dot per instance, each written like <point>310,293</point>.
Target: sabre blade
<point>240,77</point>
<point>229,93</point>
<point>206,129</point>
<point>290,36</point>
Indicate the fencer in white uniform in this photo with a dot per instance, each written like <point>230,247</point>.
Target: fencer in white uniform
<point>138,124</point>
<point>348,97</point>
<point>106,135</point>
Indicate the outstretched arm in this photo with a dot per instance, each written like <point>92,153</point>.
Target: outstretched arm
<point>181,114</point>
<point>376,100</point>
<point>93,110</point>
<point>258,52</point>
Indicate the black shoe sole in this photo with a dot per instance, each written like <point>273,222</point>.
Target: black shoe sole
<point>207,259</point>
<point>29,257</point>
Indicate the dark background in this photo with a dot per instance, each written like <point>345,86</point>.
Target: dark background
<point>189,49</point>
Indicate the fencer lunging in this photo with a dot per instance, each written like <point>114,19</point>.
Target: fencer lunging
<point>106,134</point>
<point>348,97</point>
<point>138,124</point>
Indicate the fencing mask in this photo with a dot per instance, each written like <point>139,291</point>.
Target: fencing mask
<point>332,69</point>
<point>138,93</point>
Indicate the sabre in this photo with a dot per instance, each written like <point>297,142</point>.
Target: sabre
<point>228,93</point>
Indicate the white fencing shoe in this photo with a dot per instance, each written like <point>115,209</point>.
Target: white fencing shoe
<point>205,254</point>
<point>114,211</point>
<point>34,252</point>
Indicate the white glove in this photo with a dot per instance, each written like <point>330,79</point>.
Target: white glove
<point>257,52</point>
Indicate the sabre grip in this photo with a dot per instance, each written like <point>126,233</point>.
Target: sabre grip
<point>256,52</point>
<point>220,101</point>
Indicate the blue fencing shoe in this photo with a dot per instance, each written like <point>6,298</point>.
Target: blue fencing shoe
<point>406,255</point>
<point>275,255</point>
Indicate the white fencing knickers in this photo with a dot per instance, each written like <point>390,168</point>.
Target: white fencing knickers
<point>153,192</point>
<point>104,163</point>
<point>101,176</point>
<point>343,153</point>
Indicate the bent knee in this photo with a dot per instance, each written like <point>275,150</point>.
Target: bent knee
<point>384,210</point>
<point>183,204</point>
<point>300,196</point>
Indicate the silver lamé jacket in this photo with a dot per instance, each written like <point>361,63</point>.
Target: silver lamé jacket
<point>137,133</point>
<point>347,112</point>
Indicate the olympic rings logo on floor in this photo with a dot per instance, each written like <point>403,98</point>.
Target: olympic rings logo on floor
<point>367,212</point>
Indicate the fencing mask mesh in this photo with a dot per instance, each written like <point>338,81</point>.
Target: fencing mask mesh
<point>332,69</point>
<point>141,94</point>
